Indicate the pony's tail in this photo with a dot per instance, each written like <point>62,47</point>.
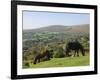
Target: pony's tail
<point>83,51</point>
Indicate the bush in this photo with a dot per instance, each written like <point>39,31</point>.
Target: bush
<point>59,53</point>
<point>26,64</point>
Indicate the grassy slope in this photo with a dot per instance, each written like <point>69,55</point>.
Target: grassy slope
<point>63,62</point>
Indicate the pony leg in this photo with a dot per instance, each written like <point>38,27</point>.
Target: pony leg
<point>39,60</point>
<point>78,53</point>
<point>35,60</point>
<point>83,52</point>
<point>48,56</point>
<point>74,53</point>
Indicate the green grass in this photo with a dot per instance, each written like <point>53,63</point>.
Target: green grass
<point>62,62</point>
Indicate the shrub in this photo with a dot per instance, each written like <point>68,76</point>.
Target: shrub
<point>59,53</point>
<point>26,64</point>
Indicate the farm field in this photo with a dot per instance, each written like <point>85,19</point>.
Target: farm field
<point>60,62</point>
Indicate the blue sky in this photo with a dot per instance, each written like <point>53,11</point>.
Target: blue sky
<point>36,19</point>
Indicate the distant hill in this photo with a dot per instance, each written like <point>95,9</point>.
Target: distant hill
<point>62,28</point>
<point>80,28</point>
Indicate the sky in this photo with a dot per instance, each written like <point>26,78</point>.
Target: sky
<point>38,19</point>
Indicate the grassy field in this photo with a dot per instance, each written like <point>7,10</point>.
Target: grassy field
<point>62,62</point>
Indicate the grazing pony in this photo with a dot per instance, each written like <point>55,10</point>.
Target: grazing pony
<point>46,54</point>
<point>76,47</point>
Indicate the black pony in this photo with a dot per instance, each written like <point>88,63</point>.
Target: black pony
<point>46,54</point>
<point>76,47</point>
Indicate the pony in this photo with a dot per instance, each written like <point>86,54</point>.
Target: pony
<point>76,47</point>
<point>46,54</point>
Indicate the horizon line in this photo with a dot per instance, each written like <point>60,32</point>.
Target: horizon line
<point>56,25</point>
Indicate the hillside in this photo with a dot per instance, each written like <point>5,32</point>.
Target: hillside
<point>54,33</point>
<point>80,28</point>
<point>60,62</point>
<point>62,28</point>
<point>55,38</point>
